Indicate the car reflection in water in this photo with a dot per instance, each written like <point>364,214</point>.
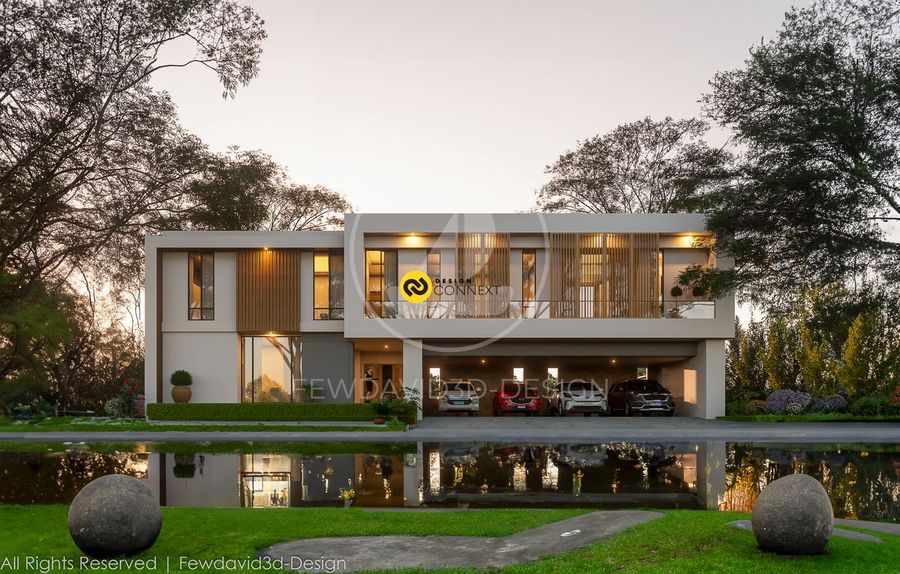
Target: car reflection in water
<point>565,475</point>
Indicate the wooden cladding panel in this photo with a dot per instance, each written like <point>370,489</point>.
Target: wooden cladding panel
<point>565,259</point>
<point>604,275</point>
<point>483,258</point>
<point>268,291</point>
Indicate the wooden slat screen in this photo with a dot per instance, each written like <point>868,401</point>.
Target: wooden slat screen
<point>483,258</point>
<point>604,275</point>
<point>645,275</point>
<point>565,258</point>
<point>268,291</point>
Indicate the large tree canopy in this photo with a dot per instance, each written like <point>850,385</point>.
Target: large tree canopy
<point>815,113</point>
<point>643,167</point>
<point>88,150</point>
<point>248,190</point>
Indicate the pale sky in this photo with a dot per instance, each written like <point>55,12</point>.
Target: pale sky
<point>457,106</point>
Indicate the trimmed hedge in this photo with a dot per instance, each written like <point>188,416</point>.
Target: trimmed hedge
<point>294,412</point>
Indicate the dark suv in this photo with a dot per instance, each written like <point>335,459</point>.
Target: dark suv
<point>640,396</point>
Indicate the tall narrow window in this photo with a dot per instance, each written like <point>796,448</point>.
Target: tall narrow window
<point>529,277</point>
<point>320,286</point>
<point>381,283</point>
<point>201,277</point>
<point>328,285</point>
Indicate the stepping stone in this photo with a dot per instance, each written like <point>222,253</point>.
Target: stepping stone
<point>479,552</point>
<point>839,532</point>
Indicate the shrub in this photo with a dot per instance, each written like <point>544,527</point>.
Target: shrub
<point>736,408</point>
<point>832,404</point>
<point>116,408</point>
<point>873,406</point>
<point>778,402</point>
<point>794,409</point>
<point>382,408</point>
<point>273,411</point>
<point>756,407</point>
<point>181,378</point>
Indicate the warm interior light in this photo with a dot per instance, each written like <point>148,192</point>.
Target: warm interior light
<point>613,361</point>
<point>386,346</point>
<point>483,361</point>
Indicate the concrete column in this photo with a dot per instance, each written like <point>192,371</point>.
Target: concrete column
<point>711,474</point>
<point>413,475</point>
<point>151,327</point>
<point>711,378</point>
<point>412,367</point>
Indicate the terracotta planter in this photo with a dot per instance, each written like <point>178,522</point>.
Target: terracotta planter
<point>181,394</point>
<point>379,420</point>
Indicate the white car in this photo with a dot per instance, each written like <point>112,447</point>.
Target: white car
<point>579,396</point>
<point>458,396</point>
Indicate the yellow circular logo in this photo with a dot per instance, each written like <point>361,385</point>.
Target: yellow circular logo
<point>415,286</point>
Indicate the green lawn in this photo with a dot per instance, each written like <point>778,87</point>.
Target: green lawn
<point>83,424</point>
<point>686,541</point>
<point>811,418</point>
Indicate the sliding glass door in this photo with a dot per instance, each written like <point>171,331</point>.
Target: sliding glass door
<point>271,369</point>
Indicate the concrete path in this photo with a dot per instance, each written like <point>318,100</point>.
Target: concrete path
<point>520,429</point>
<point>839,532</point>
<point>431,552</point>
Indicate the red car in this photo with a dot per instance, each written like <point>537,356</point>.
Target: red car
<point>517,398</point>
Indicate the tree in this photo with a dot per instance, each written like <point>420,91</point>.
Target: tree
<point>31,333</point>
<point>643,167</point>
<point>248,190</point>
<point>816,114</point>
<point>780,360</point>
<point>748,364</point>
<point>90,153</point>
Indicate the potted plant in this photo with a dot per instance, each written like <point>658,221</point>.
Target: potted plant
<point>348,495</point>
<point>184,466</point>
<point>382,410</point>
<point>181,386</point>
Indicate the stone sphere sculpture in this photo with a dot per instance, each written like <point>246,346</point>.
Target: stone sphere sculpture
<point>793,516</point>
<point>114,515</point>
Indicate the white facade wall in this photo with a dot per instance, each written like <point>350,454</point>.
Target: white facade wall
<point>210,350</point>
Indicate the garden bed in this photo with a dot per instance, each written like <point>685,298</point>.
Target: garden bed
<point>814,417</point>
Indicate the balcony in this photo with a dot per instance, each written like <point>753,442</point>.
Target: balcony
<point>542,310</point>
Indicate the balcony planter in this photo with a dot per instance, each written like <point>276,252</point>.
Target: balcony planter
<point>181,386</point>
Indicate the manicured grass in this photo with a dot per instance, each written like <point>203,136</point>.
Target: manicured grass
<point>82,424</point>
<point>687,541</point>
<point>273,411</point>
<point>811,418</point>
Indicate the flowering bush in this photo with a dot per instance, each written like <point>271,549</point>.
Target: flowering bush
<point>348,493</point>
<point>832,404</point>
<point>756,407</point>
<point>115,408</point>
<point>778,402</point>
<point>794,409</point>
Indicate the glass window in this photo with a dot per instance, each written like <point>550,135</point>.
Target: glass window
<point>434,266</point>
<point>381,283</point>
<point>519,373</point>
<point>201,277</point>
<point>529,290</point>
<point>328,286</point>
<point>271,369</point>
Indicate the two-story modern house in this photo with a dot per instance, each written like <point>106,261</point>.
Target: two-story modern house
<point>414,299</point>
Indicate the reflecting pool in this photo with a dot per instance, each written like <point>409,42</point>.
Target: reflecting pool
<point>862,481</point>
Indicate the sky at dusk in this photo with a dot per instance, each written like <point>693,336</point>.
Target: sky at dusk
<point>424,106</point>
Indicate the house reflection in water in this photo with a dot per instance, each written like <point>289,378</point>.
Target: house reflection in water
<point>663,475</point>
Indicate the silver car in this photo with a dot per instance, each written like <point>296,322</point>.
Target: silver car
<point>458,396</point>
<point>579,396</point>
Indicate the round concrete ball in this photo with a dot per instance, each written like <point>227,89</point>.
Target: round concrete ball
<point>793,516</point>
<point>114,515</point>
